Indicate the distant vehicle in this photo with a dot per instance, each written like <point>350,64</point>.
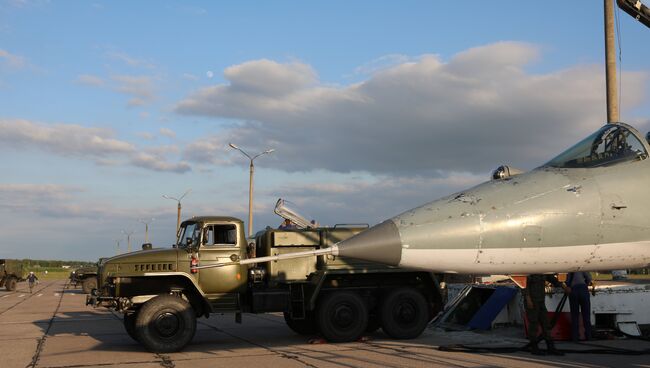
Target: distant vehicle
<point>162,291</point>
<point>619,275</point>
<point>86,276</point>
<point>11,272</point>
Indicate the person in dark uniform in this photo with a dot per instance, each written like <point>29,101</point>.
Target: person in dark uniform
<point>579,301</point>
<point>31,279</point>
<point>535,295</point>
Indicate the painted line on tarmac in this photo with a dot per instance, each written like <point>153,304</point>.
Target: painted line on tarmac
<point>41,341</point>
<point>21,295</point>
<point>41,294</point>
<point>4,296</point>
<point>26,299</point>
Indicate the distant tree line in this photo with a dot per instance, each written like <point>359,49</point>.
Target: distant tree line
<point>37,263</point>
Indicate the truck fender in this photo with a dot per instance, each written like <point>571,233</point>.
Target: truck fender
<point>195,294</point>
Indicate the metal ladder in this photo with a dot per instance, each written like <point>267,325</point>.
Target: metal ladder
<point>297,301</point>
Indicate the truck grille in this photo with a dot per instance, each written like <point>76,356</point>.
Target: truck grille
<point>154,267</point>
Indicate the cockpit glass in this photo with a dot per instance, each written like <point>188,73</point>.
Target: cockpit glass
<point>610,145</point>
<point>189,231</point>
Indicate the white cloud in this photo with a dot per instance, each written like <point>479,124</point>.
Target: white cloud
<point>472,112</point>
<point>381,63</point>
<point>12,60</point>
<point>130,60</point>
<point>140,88</point>
<point>189,76</point>
<point>64,139</point>
<point>369,199</point>
<point>78,141</point>
<point>207,151</point>
<point>167,133</point>
<point>146,136</point>
<point>156,162</point>
<point>90,80</point>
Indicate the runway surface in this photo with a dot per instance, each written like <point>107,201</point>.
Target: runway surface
<point>52,327</point>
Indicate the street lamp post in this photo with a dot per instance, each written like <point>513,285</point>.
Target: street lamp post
<point>178,216</point>
<point>250,183</point>
<point>117,251</point>
<point>128,239</point>
<point>146,228</point>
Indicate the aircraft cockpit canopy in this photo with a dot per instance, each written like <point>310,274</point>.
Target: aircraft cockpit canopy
<point>610,145</point>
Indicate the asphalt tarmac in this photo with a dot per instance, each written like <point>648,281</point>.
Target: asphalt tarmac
<point>52,327</point>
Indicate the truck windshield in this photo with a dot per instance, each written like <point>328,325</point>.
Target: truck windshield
<point>189,231</point>
<point>610,145</point>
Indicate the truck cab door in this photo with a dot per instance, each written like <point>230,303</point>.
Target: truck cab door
<point>220,243</point>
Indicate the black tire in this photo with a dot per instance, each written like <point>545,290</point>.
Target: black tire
<point>165,324</point>
<point>89,284</point>
<point>342,316</point>
<point>10,284</point>
<point>404,313</point>
<point>305,326</point>
<point>129,324</point>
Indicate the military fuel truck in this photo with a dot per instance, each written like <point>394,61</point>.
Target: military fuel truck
<point>11,272</point>
<point>161,293</point>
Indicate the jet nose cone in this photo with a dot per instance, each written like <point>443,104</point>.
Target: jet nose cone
<point>380,243</point>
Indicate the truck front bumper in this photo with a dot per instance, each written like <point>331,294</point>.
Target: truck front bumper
<point>95,299</point>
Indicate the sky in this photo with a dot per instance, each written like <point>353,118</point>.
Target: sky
<point>372,108</point>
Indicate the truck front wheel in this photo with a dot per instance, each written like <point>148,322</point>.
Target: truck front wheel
<point>89,284</point>
<point>306,326</point>
<point>342,316</point>
<point>10,284</point>
<point>404,313</point>
<point>165,324</point>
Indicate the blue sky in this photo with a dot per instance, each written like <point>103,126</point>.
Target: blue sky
<point>373,107</point>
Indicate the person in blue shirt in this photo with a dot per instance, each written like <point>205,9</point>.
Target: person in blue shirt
<point>287,224</point>
<point>579,301</point>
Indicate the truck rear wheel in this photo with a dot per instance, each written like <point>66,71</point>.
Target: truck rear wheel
<point>129,324</point>
<point>10,284</point>
<point>165,324</point>
<point>342,316</point>
<point>89,284</point>
<point>305,326</point>
<point>404,313</point>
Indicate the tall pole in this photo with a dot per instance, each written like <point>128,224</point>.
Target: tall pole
<point>117,250</point>
<point>128,239</point>
<point>250,200</point>
<point>610,64</point>
<point>146,228</point>
<point>178,216</point>
<point>178,208</point>
<point>250,183</point>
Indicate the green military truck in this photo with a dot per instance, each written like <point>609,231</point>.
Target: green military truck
<point>86,276</point>
<point>161,294</point>
<point>11,272</point>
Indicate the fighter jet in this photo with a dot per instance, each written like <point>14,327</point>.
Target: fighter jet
<point>587,209</point>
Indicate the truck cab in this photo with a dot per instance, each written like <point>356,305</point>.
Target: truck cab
<point>213,240</point>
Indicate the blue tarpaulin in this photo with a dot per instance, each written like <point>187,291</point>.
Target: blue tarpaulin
<point>482,320</point>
